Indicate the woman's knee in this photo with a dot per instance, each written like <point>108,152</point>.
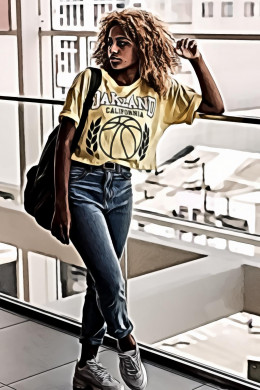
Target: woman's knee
<point>111,287</point>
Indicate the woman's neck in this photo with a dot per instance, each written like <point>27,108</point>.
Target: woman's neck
<point>125,76</point>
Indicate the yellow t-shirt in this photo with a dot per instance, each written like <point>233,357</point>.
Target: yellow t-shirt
<point>125,123</point>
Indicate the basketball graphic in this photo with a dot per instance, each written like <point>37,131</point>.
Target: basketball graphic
<point>120,137</point>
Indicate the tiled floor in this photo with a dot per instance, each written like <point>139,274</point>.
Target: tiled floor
<point>37,357</point>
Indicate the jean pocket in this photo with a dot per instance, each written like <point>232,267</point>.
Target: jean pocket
<point>126,175</point>
<point>77,173</point>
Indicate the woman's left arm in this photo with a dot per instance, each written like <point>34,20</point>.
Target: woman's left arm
<point>212,102</point>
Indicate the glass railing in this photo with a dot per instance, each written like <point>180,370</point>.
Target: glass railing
<point>191,262</point>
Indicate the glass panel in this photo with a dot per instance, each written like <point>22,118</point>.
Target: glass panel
<point>204,182</point>
<point>207,173</point>
<point>190,237</point>
<point>200,307</point>
<point>198,343</point>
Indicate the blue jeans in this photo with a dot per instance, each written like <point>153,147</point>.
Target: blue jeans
<point>101,209</point>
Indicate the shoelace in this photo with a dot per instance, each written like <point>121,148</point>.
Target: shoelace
<point>100,371</point>
<point>130,365</point>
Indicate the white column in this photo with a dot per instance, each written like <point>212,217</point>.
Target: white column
<point>31,78</point>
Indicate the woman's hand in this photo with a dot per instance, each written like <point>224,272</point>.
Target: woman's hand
<point>212,102</point>
<point>61,221</point>
<point>60,225</point>
<point>187,48</point>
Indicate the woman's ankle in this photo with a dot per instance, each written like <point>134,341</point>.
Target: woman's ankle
<point>88,351</point>
<point>127,343</point>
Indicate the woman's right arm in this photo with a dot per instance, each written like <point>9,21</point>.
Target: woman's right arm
<point>60,227</point>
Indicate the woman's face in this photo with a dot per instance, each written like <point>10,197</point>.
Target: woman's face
<point>122,52</point>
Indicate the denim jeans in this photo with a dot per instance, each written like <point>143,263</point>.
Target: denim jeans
<point>101,209</point>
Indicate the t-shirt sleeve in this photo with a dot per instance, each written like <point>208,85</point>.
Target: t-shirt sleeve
<point>76,96</point>
<point>181,104</point>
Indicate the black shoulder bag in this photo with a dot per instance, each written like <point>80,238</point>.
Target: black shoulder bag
<point>39,193</point>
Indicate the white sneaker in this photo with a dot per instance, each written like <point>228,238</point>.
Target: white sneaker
<point>94,374</point>
<point>132,369</point>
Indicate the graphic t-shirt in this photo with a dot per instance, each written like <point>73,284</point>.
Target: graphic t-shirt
<point>125,123</point>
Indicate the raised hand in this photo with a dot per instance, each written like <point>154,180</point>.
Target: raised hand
<point>212,102</point>
<point>187,48</point>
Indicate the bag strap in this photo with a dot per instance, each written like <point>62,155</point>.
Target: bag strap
<point>95,81</point>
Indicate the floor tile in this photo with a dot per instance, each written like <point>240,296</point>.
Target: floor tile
<point>8,319</point>
<point>57,379</point>
<point>60,378</point>
<point>36,348</point>
<point>157,377</point>
<point>6,388</point>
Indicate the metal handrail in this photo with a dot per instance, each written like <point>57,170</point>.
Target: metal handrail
<point>145,216</point>
<point>31,99</point>
<point>222,117</point>
<point>190,34</point>
<point>219,36</point>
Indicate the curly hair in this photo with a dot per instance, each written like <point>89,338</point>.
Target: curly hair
<point>154,43</point>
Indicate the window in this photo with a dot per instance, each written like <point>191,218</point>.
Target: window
<point>227,9</point>
<point>249,9</point>
<point>207,9</point>
<point>66,60</point>
<point>70,15</point>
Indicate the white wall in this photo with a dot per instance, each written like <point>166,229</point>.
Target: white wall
<point>235,66</point>
<point>237,23</point>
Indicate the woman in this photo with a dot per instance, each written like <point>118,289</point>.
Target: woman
<point>135,103</point>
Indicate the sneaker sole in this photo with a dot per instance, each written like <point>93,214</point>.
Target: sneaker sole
<point>88,387</point>
<point>80,385</point>
<point>144,384</point>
